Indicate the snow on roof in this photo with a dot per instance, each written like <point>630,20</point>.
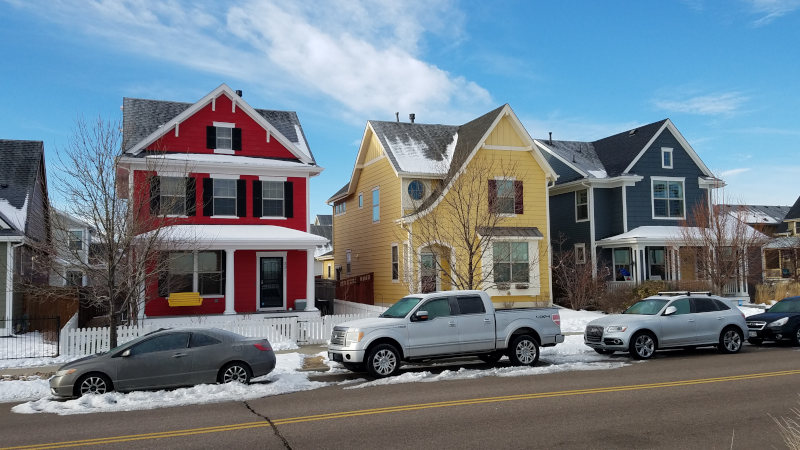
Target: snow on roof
<point>653,233</point>
<point>229,159</point>
<point>241,237</point>
<point>598,173</point>
<point>16,217</point>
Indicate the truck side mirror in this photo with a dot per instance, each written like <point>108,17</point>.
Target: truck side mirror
<point>420,315</point>
<point>670,310</point>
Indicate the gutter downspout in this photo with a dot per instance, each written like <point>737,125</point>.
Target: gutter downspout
<point>549,184</point>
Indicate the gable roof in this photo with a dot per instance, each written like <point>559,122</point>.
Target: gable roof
<point>144,121</point>
<point>794,211</point>
<point>416,148</point>
<point>20,162</point>
<point>617,152</point>
<point>324,219</point>
<point>325,231</point>
<point>760,214</point>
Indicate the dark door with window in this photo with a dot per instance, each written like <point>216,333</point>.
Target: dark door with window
<point>271,289</point>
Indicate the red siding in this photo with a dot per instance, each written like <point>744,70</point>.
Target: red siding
<point>192,133</point>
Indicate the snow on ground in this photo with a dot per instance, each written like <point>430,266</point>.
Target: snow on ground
<point>575,321</point>
<point>21,390</point>
<point>284,379</point>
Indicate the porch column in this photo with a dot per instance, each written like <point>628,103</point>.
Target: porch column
<point>310,294</point>
<point>229,277</point>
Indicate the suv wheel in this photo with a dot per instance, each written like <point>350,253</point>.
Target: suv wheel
<point>643,345</point>
<point>796,337</point>
<point>730,340</point>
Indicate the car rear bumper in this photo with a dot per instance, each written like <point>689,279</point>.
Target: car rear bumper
<point>264,366</point>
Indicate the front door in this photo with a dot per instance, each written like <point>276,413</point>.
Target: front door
<point>428,272</point>
<point>271,286</point>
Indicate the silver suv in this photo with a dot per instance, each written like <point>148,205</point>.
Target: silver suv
<point>669,320</point>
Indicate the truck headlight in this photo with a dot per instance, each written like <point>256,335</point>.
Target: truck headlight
<point>353,337</point>
<point>65,372</point>
<point>779,322</point>
<point>616,329</point>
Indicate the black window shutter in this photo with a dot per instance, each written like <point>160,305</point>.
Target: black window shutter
<point>288,199</point>
<point>256,198</point>
<point>241,198</point>
<point>492,195</point>
<point>191,196</point>
<point>211,137</point>
<point>518,209</point>
<point>236,135</point>
<point>208,197</point>
<point>163,275</point>
<point>155,195</point>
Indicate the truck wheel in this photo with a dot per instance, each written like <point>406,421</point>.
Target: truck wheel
<point>524,351</point>
<point>354,367</point>
<point>491,358</point>
<point>642,346</point>
<point>730,340</point>
<point>383,360</point>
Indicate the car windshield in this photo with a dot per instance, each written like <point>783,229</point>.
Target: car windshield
<point>401,308</point>
<point>648,306</point>
<point>785,306</point>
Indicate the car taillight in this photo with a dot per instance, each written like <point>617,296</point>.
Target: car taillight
<point>557,319</point>
<point>262,347</point>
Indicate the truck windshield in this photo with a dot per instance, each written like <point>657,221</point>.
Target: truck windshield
<point>401,308</point>
<point>647,307</point>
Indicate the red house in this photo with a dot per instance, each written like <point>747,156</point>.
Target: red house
<point>234,181</point>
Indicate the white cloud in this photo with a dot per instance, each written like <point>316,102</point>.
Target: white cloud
<point>366,56</point>
<point>726,103</point>
<point>733,172</point>
<point>769,10</point>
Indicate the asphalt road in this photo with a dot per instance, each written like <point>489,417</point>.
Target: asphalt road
<point>680,400</point>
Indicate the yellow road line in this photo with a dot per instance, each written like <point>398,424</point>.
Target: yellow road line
<point>402,408</point>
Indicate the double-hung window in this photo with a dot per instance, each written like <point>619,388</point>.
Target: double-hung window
<point>395,263</point>
<point>76,240</point>
<point>511,262</point>
<point>223,137</point>
<point>224,197</point>
<point>173,196</point>
<point>180,272</point>
<point>668,199</point>
<point>581,205</point>
<point>209,273</point>
<point>272,198</point>
<point>505,197</point>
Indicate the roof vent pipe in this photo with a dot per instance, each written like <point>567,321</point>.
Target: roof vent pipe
<point>239,92</point>
<point>551,137</point>
<point>397,116</point>
<point>411,117</point>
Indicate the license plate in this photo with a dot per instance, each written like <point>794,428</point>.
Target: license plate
<point>753,334</point>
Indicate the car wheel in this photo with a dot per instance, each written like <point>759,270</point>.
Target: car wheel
<point>755,341</point>
<point>354,367</point>
<point>643,345</point>
<point>383,360</point>
<point>604,351</point>
<point>730,340</point>
<point>93,383</point>
<point>235,372</point>
<point>796,337</point>
<point>524,351</point>
<point>491,358</point>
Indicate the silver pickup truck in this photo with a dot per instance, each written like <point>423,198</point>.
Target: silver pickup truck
<point>441,325</point>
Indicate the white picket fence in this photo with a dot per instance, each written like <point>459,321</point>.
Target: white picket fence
<point>345,307</point>
<point>87,341</point>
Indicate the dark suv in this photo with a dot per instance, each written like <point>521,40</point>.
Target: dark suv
<point>781,322</point>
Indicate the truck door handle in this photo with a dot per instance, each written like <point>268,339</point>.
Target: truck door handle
<point>452,324</point>
<point>487,320</point>
<point>691,320</point>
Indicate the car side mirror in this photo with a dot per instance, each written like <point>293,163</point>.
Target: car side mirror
<point>126,353</point>
<point>421,315</point>
<point>670,310</point>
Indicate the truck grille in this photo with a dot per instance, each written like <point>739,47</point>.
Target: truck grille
<point>756,324</point>
<point>337,337</point>
<point>594,333</point>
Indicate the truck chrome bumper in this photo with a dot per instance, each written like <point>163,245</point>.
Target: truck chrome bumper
<point>348,356</point>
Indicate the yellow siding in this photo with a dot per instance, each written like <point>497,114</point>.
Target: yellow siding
<point>375,150</point>
<point>504,134</point>
<point>327,265</point>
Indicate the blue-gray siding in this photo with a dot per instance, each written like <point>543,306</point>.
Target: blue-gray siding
<point>562,221</point>
<point>607,212</point>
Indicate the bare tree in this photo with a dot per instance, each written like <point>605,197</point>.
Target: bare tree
<point>126,239</point>
<point>574,277</point>
<point>457,225</point>
<point>721,244</point>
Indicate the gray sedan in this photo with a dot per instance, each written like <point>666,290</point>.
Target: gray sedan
<point>167,358</point>
<point>669,320</point>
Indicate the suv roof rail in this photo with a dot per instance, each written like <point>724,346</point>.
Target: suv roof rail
<point>684,293</point>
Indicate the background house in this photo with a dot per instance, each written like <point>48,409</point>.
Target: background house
<point>232,182</point>
<point>782,253</point>
<point>323,255</point>
<point>392,226</point>
<point>24,223</point>
<point>75,245</point>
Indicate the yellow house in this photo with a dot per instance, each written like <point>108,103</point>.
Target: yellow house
<point>440,207</point>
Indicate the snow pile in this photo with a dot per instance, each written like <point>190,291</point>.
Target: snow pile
<point>575,321</point>
<point>21,390</point>
<point>284,379</point>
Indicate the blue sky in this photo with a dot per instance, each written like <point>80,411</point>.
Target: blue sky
<point>726,73</point>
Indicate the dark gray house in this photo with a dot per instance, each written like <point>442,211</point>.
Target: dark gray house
<point>24,220</point>
<point>619,201</point>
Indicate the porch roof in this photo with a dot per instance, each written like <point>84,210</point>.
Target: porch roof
<point>648,235</point>
<point>783,242</point>
<point>241,237</point>
<point>530,232</point>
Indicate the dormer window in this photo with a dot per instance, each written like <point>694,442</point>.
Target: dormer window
<point>224,137</point>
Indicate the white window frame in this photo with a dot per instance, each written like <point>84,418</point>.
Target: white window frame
<point>577,220</point>
<point>348,260</point>
<point>498,180</point>
<point>196,271</point>
<point>580,253</point>
<point>264,198</point>
<point>71,240</point>
<point>360,200</point>
<point>223,150</point>
<point>534,261</point>
<point>395,262</point>
<point>653,181</point>
<point>667,150</point>
<point>161,195</point>
<point>339,208</point>
<point>214,198</point>
<point>376,206</point>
